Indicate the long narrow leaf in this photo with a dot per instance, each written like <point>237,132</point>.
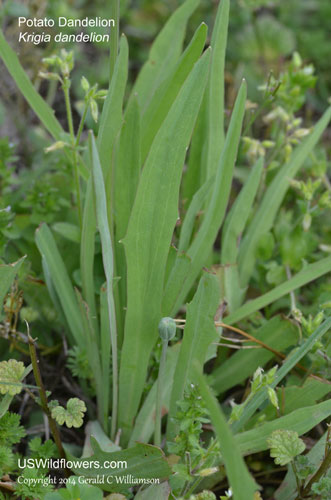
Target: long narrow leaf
<point>108,264</point>
<point>64,289</point>
<point>300,421</point>
<point>215,89</point>
<point>164,54</point>
<point>290,362</point>
<point>273,197</point>
<point>177,290</point>
<point>308,274</point>
<point>148,239</point>
<point>168,91</point>
<point>199,334</point>
<point>37,103</point>
<point>242,484</point>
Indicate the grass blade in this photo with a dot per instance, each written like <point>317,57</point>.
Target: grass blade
<point>127,173</point>
<point>277,333</point>
<point>168,91</point>
<point>148,239</point>
<point>199,334</point>
<point>290,362</point>
<point>308,274</point>
<point>62,284</point>
<point>87,252</point>
<point>145,421</point>
<point>234,226</point>
<point>199,251</point>
<point>242,484</point>
<point>215,89</point>
<point>111,116</point>
<point>108,264</point>
<point>164,54</point>
<point>300,421</point>
<point>273,197</point>
<point>196,205</point>
<point>37,103</point>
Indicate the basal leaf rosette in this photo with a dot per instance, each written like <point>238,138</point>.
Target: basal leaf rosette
<point>11,373</point>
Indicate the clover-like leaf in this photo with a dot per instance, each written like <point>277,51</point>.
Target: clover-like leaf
<point>73,415</point>
<point>284,446</point>
<point>11,373</point>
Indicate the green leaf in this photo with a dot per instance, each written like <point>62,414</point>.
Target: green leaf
<point>241,482</point>
<point>75,491</point>
<point>145,421</point>
<point>69,231</point>
<point>127,173</point>
<point>7,276</point>
<point>287,366</point>
<point>177,289</point>
<point>49,251</point>
<point>111,116</point>
<point>37,103</point>
<point>234,226</point>
<point>165,95</point>
<point>215,89</point>
<point>309,273</point>
<point>148,239</point>
<point>277,333</point>
<point>164,54</point>
<point>155,492</point>
<point>300,421</point>
<point>7,399</point>
<point>284,446</point>
<point>288,489</point>
<point>272,199</point>
<point>199,333</point>
<point>108,265</point>
<point>11,373</point>
<point>72,416</point>
<point>142,461</point>
<point>196,205</point>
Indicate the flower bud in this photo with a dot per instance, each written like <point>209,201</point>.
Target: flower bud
<point>167,329</point>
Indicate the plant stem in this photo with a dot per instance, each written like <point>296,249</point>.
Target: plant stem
<point>114,35</point>
<point>295,472</point>
<point>158,410</point>
<point>81,124</point>
<point>43,397</point>
<point>66,87</point>
<point>324,467</point>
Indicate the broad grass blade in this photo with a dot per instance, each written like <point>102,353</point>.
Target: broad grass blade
<point>308,274</point>
<point>290,362</point>
<point>300,421</point>
<point>64,289</point>
<point>37,103</point>
<point>111,116</point>
<point>164,54</point>
<point>234,226</point>
<point>199,334</point>
<point>215,89</point>
<point>148,239</point>
<point>168,91</point>
<point>108,264</point>
<point>201,246</point>
<point>242,484</point>
<point>276,333</point>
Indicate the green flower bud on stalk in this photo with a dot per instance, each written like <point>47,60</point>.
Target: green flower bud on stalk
<point>167,331</point>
